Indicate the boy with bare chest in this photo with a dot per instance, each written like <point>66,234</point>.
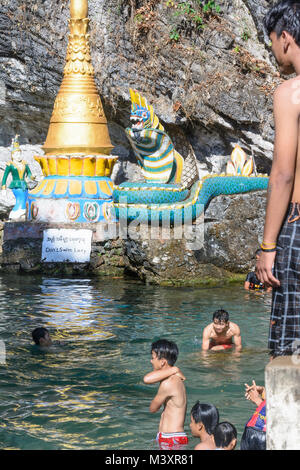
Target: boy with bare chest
<point>171,394</point>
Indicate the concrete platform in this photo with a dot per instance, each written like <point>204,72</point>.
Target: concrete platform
<point>282,381</point>
<point>22,247</point>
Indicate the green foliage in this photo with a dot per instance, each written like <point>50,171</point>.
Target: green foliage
<point>209,6</point>
<point>246,35</point>
<point>195,13</point>
<point>139,17</point>
<point>174,34</point>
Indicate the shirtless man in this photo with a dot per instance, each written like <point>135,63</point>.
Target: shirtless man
<point>221,333</point>
<point>171,394</point>
<point>280,245</point>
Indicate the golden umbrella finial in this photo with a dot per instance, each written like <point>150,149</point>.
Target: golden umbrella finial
<point>79,9</point>
<point>78,124</point>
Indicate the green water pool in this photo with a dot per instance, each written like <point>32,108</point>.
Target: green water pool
<point>88,393</point>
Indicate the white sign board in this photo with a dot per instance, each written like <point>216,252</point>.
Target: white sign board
<point>66,245</point>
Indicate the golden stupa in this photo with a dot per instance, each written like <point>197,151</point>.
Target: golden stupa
<point>77,163</point>
<point>78,124</point>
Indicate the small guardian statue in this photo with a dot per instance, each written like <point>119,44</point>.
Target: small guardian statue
<point>19,170</point>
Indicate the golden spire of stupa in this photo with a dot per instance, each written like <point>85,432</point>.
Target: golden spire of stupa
<point>78,124</point>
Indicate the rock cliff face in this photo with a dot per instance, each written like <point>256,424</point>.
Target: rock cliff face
<point>209,73</point>
<point>216,82</point>
<point>232,231</point>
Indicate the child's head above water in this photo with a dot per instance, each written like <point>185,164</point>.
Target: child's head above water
<point>225,436</point>
<point>204,414</point>
<point>41,337</point>
<point>163,351</point>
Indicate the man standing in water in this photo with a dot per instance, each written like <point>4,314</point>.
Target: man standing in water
<point>171,394</point>
<point>221,334</point>
<point>281,242</point>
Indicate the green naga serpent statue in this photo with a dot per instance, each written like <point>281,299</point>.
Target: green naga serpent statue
<point>172,190</point>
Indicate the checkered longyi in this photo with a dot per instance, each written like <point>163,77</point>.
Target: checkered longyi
<point>285,313</point>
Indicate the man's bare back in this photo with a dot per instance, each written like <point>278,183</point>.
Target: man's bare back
<point>292,89</point>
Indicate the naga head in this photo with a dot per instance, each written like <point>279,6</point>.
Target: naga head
<point>142,114</point>
<point>139,117</point>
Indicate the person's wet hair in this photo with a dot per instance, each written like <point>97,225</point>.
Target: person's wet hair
<point>221,315</point>
<point>165,350</point>
<point>206,414</point>
<point>253,439</point>
<point>284,16</point>
<point>39,333</point>
<point>224,433</point>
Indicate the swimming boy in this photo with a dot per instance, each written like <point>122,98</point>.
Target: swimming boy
<point>171,394</point>
<point>204,419</point>
<point>221,334</point>
<point>41,337</point>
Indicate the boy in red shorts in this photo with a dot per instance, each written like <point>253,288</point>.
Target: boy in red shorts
<point>171,394</point>
<point>221,334</point>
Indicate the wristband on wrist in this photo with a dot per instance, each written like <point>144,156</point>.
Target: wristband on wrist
<point>267,250</point>
<point>268,246</point>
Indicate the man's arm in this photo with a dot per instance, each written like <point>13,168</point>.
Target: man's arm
<point>163,393</point>
<point>237,339</point>
<point>206,339</point>
<point>281,180</point>
<point>159,375</point>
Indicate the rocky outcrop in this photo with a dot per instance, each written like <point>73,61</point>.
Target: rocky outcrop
<point>215,82</point>
<point>221,248</point>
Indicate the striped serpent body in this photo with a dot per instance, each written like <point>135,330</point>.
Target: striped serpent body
<point>178,211</point>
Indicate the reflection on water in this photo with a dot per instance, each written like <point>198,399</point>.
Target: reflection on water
<point>87,393</point>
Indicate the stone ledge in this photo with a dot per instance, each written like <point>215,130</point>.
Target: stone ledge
<point>30,230</point>
<point>282,379</point>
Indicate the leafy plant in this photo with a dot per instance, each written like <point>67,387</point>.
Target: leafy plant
<point>246,35</point>
<point>195,12</point>
<point>174,34</point>
<point>210,6</point>
<point>139,17</point>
